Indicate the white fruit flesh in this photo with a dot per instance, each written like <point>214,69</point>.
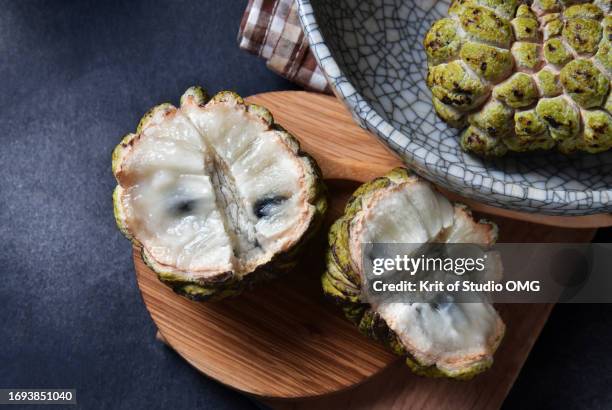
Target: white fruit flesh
<point>258,164</point>
<point>212,189</point>
<point>451,336</point>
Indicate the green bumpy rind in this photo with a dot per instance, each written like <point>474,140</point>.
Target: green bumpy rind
<point>443,41</point>
<point>585,83</point>
<point>229,284</point>
<point>527,55</point>
<point>520,53</point>
<point>526,25</point>
<point>492,63</point>
<point>455,86</point>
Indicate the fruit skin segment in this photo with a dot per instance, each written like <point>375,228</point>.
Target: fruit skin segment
<point>553,48</point>
<point>343,284</point>
<point>227,283</point>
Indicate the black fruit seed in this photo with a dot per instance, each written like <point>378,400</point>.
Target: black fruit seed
<point>265,207</point>
<point>184,207</point>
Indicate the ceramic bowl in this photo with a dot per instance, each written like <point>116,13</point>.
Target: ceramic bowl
<point>371,52</point>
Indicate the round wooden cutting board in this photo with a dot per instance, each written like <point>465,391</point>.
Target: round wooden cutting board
<point>283,340</point>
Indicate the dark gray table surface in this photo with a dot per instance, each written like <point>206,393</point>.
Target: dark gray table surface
<point>74,77</point>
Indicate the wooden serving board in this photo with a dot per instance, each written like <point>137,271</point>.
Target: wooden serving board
<point>284,341</point>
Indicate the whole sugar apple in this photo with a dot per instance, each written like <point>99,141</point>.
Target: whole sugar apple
<point>522,76</point>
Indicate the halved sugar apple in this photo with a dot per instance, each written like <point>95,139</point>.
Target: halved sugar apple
<point>455,340</point>
<point>524,75</point>
<point>216,193</point>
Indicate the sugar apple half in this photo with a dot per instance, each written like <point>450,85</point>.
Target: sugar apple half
<point>454,340</point>
<point>216,193</point>
<point>524,76</point>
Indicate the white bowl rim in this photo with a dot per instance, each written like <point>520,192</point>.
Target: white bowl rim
<point>520,198</point>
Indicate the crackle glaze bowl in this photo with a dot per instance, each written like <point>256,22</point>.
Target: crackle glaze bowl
<point>371,52</point>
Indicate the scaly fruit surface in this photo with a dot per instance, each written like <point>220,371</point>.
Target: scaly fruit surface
<point>520,76</point>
